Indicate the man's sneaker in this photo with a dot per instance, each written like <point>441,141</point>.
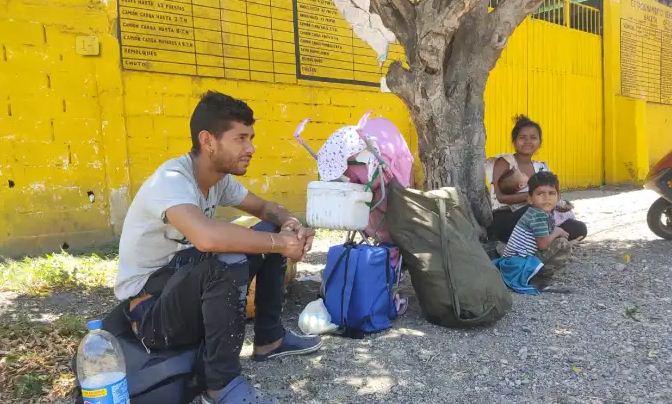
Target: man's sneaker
<point>237,391</point>
<point>292,344</point>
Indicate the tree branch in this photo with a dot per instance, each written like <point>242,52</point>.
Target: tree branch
<point>507,16</point>
<point>400,81</point>
<point>445,20</point>
<point>399,17</point>
<point>439,22</point>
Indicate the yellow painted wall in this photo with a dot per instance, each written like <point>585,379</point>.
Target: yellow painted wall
<point>553,75</point>
<point>638,117</point>
<point>158,108</point>
<point>659,130</point>
<point>73,123</point>
<point>249,50</point>
<point>62,158</point>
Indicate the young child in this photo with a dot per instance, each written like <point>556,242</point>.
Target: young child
<point>512,181</point>
<point>535,240</point>
<point>563,212</point>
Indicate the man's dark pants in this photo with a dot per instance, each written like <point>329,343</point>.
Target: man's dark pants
<point>201,299</point>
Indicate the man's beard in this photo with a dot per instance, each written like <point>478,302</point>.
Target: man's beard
<point>238,171</point>
<point>230,167</point>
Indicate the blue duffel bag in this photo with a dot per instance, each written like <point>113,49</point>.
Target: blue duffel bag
<point>358,287</point>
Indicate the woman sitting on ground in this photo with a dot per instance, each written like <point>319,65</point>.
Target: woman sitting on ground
<point>508,207</point>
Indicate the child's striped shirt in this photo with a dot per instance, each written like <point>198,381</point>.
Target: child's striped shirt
<point>533,224</point>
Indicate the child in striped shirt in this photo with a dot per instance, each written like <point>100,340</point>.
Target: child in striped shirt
<point>535,237</point>
<point>513,181</point>
<point>536,228</point>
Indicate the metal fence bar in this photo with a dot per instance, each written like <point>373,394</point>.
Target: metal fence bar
<point>568,13</point>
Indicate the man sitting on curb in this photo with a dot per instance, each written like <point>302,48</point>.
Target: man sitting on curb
<point>186,274</point>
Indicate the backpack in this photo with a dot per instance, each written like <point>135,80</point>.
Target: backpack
<point>358,287</point>
<point>170,376</point>
<point>455,282</point>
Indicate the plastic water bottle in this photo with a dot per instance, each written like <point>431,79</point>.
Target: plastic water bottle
<point>101,368</point>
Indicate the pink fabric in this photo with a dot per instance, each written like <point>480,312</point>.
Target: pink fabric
<point>376,227</point>
<point>393,149</point>
<point>399,164</point>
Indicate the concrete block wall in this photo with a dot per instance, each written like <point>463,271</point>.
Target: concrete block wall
<point>79,134</point>
<point>54,184</point>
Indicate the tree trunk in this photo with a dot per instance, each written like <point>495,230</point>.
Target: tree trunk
<point>457,163</point>
<point>451,46</point>
<point>449,157</point>
<point>447,109</point>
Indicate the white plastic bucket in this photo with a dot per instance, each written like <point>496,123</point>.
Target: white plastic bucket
<point>337,205</point>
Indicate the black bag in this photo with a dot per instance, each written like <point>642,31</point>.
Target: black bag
<point>170,376</point>
<point>455,282</point>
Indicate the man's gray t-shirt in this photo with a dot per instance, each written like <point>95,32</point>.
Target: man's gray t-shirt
<point>147,241</point>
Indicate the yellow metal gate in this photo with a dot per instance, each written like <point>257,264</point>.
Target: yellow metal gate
<point>551,70</point>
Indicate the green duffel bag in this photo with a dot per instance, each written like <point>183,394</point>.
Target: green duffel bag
<point>456,283</point>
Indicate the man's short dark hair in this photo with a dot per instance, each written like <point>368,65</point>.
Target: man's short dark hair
<point>215,112</point>
<point>543,178</point>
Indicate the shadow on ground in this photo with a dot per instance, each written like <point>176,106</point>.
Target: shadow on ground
<point>605,341</point>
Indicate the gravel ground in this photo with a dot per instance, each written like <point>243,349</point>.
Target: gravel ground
<point>608,341</point>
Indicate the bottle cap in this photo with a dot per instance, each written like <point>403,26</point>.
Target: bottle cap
<point>94,325</point>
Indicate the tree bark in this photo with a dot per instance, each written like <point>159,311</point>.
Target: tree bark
<point>452,147</point>
<point>446,105</point>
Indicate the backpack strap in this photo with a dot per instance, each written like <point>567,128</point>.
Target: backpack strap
<point>348,281</point>
<point>389,286</point>
<point>325,281</point>
<point>446,262</point>
<point>155,374</point>
<point>446,265</point>
<point>172,363</point>
<point>348,285</point>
